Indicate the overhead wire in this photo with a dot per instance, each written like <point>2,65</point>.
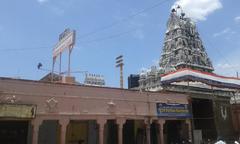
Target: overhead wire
<point>109,37</point>
<point>101,29</point>
<point>124,19</point>
<point>24,49</point>
<point>89,41</point>
<point>218,51</point>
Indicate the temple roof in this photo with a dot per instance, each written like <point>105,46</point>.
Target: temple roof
<point>183,47</point>
<point>199,76</point>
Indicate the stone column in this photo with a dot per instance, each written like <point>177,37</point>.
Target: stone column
<point>120,123</point>
<point>238,121</point>
<point>188,122</point>
<point>161,126</point>
<point>101,123</point>
<point>63,122</point>
<point>148,130</point>
<point>36,124</point>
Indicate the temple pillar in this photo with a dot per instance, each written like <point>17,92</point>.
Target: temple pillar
<point>36,124</point>
<point>101,123</point>
<point>120,123</point>
<point>161,126</point>
<point>63,123</point>
<point>148,130</point>
<point>188,122</point>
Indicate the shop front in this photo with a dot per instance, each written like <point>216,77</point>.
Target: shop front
<point>15,126</point>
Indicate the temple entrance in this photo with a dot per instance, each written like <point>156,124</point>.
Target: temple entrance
<point>82,132</point>
<point>175,131</point>
<point>134,132</point>
<point>111,132</point>
<point>203,117</point>
<point>14,132</point>
<point>49,132</point>
<point>155,139</point>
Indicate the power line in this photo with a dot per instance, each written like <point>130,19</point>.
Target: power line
<point>218,51</point>
<point>102,28</point>
<point>109,37</point>
<point>90,41</point>
<point>124,19</point>
<point>23,49</point>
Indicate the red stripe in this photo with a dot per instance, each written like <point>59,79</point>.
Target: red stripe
<point>197,71</point>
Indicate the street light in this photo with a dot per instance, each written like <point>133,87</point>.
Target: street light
<point>119,63</point>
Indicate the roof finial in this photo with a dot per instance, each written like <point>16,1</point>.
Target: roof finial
<point>173,10</point>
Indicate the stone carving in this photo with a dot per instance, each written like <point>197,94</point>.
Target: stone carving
<point>9,99</point>
<point>224,112</point>
<point>51,104</point>
<point>111,107</point>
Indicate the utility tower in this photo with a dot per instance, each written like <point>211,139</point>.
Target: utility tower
<point>119,63</point>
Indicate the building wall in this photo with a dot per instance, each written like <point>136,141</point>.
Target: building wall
<point>62,99</point>
<point>66,103</point>
<point>223,119</point>
<point>236,118</point>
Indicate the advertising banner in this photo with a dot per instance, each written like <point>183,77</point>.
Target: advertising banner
<point>66,41</point>
<point>173,110</point>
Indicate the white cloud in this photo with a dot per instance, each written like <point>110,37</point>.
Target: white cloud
<point>228,64</point>
<point>227,31</point>
<point>41,1</point>
<point>237,19</point>
<point>199,9</point>
<point>227,69</point>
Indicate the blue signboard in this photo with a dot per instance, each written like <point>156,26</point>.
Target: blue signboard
<point>173,110</point>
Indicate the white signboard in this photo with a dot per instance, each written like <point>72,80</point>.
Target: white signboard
<point>66,41</point>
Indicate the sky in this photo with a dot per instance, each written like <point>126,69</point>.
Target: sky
<point>105,29</point>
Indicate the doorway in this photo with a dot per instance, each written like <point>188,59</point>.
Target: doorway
<point>203,116</point>
<point>134,132</point>
<point>111,132</point>
<point>14,132</point>
<point>175,131</point>
<point>82,132</point>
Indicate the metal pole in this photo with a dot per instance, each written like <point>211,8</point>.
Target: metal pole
<point>52,69</point>
<point>60,63</point>
<point>69,61</point>
<point>121,76</point>
<point>148,127</point>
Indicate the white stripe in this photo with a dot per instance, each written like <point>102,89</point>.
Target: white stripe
<point>199,75</point>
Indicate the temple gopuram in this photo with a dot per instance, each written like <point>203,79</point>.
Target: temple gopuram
<point>184,67</point>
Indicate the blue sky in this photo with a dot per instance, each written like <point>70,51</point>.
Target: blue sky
<point>29,30</point>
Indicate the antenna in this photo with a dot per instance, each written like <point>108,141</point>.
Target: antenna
<point>119,63</point>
